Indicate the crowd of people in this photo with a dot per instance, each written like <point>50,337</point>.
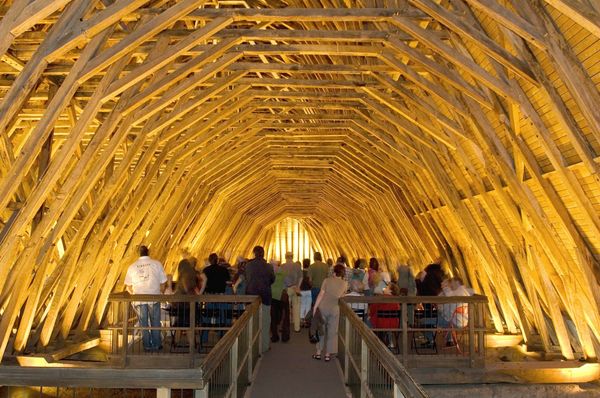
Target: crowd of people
<point>296,295</point>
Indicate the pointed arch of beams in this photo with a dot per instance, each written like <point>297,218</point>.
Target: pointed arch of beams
<point>435,107</point>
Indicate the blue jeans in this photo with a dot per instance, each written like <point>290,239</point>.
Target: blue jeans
<point>442,323</point>
<point>429,323</point>
<point>151,313</point>
<point>216,315</point>
<point>315,293</point>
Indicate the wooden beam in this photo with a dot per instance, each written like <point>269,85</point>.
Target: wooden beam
<point>477,37</point>
<point>171,53</point>
<point>580,12</point>
<point>512,21</point>
<point>446,51</point>
<point>34,12</point>
<point>305,14</point>
<point>148,29</point>
<point>42,130</point>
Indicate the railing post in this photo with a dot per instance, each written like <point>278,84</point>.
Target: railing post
<point>404,333</point>
<point>471,309</point>
<point>115,332</point>
<point>397,392</point>
<point>163,393</point>
<point>261,349</point>
<point>192,332</point>
<point>202,393</point>
<point>233,368</point>
<point>347,354</point>
<point>250,349</point>
<point>364,369</point>
<point>125,338</point>
<point>481,333</point>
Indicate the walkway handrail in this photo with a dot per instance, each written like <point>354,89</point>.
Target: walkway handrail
<point>180,298</point>
<point>215,357</point>
<point>476,298</point>
<point>359,358</point>
<point>227,368</point>
<point>461,319</point>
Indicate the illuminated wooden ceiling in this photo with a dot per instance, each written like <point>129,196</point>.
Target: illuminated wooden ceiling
<point>403,129</point>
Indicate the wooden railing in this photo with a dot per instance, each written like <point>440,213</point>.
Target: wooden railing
<point>185,324</point>
<point>451,328</point>
<point>370,369</point>
<point>226,368</point>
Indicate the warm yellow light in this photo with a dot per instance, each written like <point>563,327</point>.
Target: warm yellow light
<point>289,235</point>
<point>40,362</point>
<point>502,340</point>
<point>554,372</point>
<point>297,254</point>
<point>289,238</point>
<point>61,248</point>
<point>277,240</point>
<point>306,246</point>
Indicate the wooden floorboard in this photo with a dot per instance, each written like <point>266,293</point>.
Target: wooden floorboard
<point>288,369</point>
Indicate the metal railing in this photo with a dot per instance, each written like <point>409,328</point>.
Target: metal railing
<point>370,369</point>
<point>450,328</point>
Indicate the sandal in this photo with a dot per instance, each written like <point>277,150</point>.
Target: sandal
<point>327,358</point>
<point>317,357</point>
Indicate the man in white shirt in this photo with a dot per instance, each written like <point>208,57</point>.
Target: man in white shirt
<point>147,276</point>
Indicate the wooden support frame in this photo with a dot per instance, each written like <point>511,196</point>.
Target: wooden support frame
<point>454,127</point>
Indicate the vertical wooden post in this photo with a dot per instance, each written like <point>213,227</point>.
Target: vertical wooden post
<point>163,393</point>
<point>250,349</point>
<point>405,334</point>
<point>471,309</point>
<point>233,367</point>
<point>114,337</point>
<point>202,393</point>
<point>261,349</point>
<point>192,332</point>
<point>347,350</point>
<point>481,334</point>
<point>364,369</point>
<point>397,392</point>
<point>125,339</point>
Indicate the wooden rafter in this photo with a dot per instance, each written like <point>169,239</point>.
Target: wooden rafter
<point>440,127</point>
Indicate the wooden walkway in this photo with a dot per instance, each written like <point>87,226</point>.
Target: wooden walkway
<point>288,369</point>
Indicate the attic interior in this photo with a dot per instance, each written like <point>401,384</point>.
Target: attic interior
<point>400,129</point>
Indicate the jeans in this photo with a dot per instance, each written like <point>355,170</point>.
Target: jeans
<point>443,323</point>
<point>151,313</point>
<point>429,323</point>
<point>216,315</point>
<point>315,293</point>
<point>305,303</point>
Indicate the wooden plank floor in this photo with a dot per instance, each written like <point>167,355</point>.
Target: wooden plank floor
<point>288,369</point>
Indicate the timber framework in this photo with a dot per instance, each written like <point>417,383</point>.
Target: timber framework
<point>403,129</point>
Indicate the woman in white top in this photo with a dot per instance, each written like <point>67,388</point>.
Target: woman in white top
<point>382,279</point>
<point>455,315</point>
